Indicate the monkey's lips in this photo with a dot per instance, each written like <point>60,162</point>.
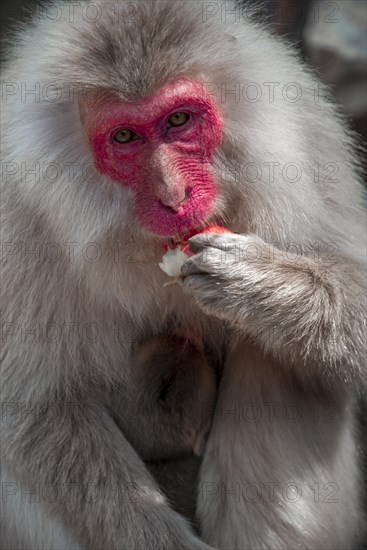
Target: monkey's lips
<point>183,240</point>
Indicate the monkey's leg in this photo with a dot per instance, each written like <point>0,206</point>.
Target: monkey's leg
<point>25,524</point>
<point>173,388</point>
<point>101,490</point>
<point>279,469</point>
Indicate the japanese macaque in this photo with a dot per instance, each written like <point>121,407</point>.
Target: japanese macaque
<point>172,393</point>
<point>126,126</point>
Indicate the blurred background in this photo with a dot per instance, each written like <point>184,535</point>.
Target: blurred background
<point>331,36</point>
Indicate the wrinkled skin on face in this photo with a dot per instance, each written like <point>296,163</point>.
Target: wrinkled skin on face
<point>168,167</point>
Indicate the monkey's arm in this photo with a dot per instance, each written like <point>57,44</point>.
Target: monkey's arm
<point>105,495</point>
<point>304,310</point>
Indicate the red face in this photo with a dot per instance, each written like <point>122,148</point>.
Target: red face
<point>162,148</point>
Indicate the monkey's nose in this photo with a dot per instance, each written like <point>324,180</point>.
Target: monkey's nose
<point>176,204</point>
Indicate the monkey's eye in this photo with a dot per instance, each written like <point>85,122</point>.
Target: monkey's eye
<point>123,136</point>
<point>178,119</point>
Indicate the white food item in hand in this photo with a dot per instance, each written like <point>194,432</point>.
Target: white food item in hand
<point>172,261</point>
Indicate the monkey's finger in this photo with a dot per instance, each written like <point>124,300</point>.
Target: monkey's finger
<point>190,267</point>
<point>196,282</point>
<point>206,292</point>
<point>198,242</point>
<point>216,240</point>
<point>210,260</point>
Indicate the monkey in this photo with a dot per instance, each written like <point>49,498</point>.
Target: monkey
<point>124,130</point>
<point>172,371</point>
<point>173,389</point>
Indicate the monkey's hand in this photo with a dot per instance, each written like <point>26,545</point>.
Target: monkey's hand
<point>304,308</point>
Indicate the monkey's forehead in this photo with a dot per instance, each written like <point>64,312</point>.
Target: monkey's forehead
<point>134,54</point>
<point>171,95</point>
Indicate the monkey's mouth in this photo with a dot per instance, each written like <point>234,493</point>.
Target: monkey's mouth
<point>176,227</point>
<point>181,239</point>
<point>174,242</point>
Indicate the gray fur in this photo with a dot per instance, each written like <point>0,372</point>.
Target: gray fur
<point>296,328</point>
